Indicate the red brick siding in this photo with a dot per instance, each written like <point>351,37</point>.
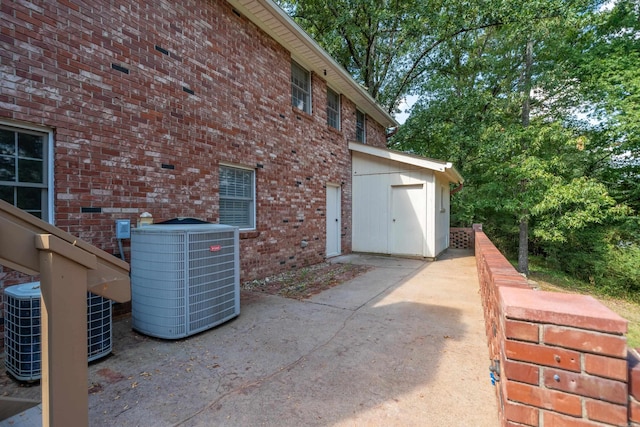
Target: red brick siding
<point>113,131</point>
<point>522,372</point>
<point>606,367</point>
<point>522,331</point>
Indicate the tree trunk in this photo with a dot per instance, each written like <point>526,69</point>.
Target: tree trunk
<point>523,247</point>
<point>523,242</point>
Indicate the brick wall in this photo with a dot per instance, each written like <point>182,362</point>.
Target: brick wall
<point>561,359</point>
<point>461,238</point>
<point>147,98</point>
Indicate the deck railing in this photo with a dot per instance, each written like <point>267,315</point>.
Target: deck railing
<point>68,268</point>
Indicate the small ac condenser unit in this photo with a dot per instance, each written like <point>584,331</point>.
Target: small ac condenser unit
<point>22,330</point>
<point>185,278</point>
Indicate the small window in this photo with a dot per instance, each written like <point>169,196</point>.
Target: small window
<point>24,170</point>
<point>300,88</point>
<point>237,197</point>
<point>361,134</point>
<point>333,109</point>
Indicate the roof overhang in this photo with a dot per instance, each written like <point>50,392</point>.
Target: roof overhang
<point>274,21</point>
<point>446,168</point>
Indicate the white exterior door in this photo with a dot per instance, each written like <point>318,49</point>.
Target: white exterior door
<point>333,220</point>
<point>408,219</point>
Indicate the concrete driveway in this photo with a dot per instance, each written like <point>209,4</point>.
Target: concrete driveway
<point>401,345</point>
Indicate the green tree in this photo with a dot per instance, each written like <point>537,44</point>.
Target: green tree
<point>608,71</point>
<point>387,46</point>
<point>498,104</point>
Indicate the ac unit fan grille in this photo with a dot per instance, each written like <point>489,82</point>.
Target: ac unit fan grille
<point>212,276</point>
<point>158,283</point>
<point>22,330</point>
<point>22,337</point>
<point>99,330</point>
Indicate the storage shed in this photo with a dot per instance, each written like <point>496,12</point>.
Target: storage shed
<point>400,202</point>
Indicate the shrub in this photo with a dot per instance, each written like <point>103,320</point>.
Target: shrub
<point>620,274</point>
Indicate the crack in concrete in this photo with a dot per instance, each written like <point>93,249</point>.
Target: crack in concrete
<point>258,382</point>
<point>287,368</point>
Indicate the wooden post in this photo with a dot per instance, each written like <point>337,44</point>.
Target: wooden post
<point>63,284</point>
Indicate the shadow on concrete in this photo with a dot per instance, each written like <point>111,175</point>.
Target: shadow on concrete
<point>373,363</point>
<point>403,357</point>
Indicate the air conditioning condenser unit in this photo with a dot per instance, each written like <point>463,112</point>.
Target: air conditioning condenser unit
<point>185,278</point>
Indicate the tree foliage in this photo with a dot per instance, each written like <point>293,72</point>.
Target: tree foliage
<point>387,45</point>
<point>572,171</point>
<point>609,73</point>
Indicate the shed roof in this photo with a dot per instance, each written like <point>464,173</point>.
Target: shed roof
<point>445,168</point>
<point>269,17</point>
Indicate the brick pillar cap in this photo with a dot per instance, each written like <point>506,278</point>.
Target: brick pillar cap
<point>580,311</point>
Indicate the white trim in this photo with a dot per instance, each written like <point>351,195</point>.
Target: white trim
<point>235,165</point>
<point>309,86</point>
<point>436,165</point>
<point>255,200</point>
<point>50,211</point>
<point>338,202</point>
<point>339,109</point>
<point>50,180</point>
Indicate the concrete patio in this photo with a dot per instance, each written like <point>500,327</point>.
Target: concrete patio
<point>401,345</point>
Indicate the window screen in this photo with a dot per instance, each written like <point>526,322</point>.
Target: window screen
<point>333,109</point>
<point>237,197</point>
<point>300,88</point>
<point>361,135</point>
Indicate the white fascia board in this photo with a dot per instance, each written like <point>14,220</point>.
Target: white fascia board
<point>454,176</point>
<point>446,168</point>
<point>269,17</point>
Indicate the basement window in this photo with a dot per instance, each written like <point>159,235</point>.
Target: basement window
<point>237,197</point>
<point>300,88</point>
<point>25,170</point>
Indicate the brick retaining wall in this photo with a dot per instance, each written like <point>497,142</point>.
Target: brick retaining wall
<point>560,359</point>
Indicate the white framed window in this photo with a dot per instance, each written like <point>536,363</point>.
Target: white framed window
<point>300,88</point>
<point>361,128</point>
<point>237,197</point>
<point>333,109</point>
<point>26,168</point>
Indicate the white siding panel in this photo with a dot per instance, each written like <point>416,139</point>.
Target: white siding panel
<point>442,215</point>
<point>409,220</point>
<point>370,214</point>
<point>373,182</point>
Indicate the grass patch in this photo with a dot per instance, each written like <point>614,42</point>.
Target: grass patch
<point>557,281</point>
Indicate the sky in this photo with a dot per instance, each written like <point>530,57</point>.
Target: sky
<point>405,108</point>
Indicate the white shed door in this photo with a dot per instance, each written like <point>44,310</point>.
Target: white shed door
<point>333,220</point>
<point>408,214</point>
